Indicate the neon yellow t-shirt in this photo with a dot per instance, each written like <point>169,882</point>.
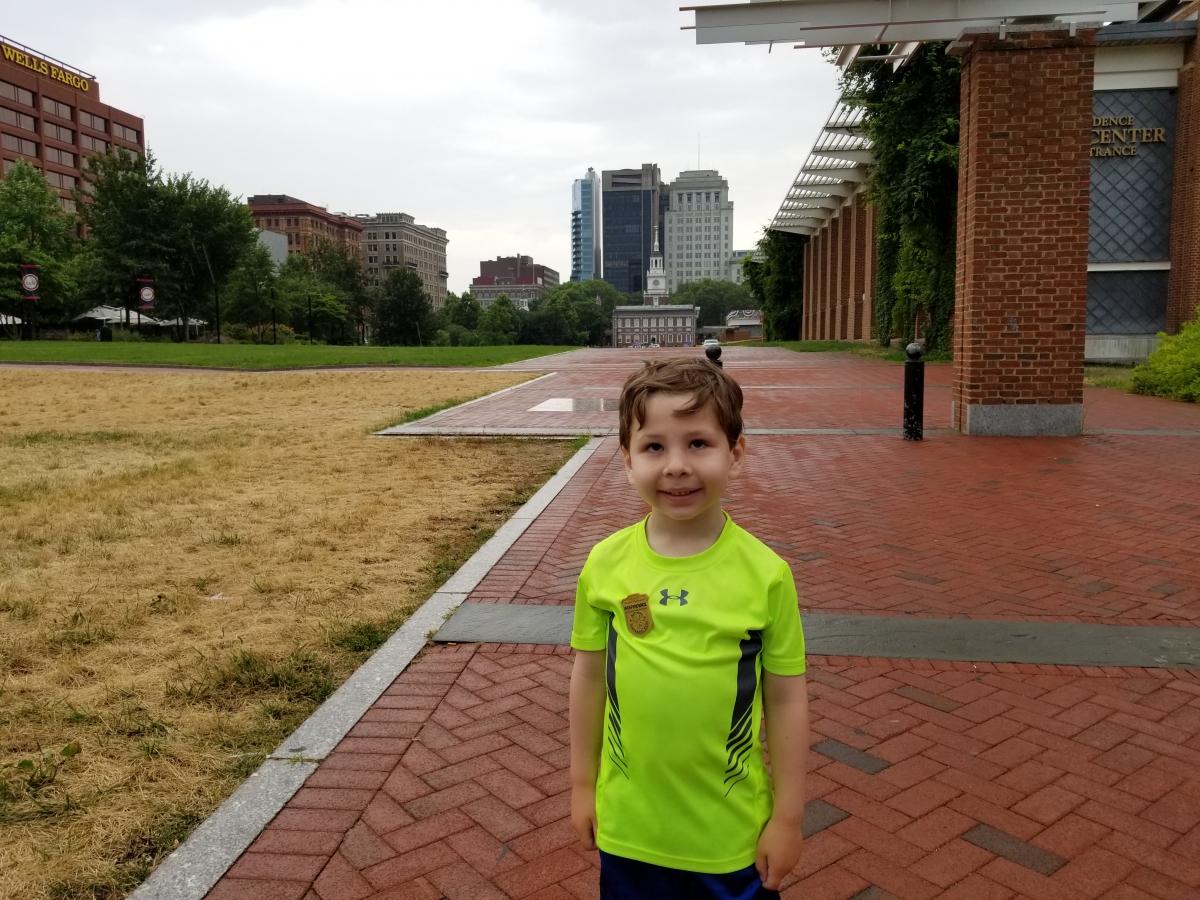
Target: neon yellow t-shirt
<point>682,781</point>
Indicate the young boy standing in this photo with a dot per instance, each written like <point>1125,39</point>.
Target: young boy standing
<point>686,629</point>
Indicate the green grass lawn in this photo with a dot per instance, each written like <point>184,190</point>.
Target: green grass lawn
<point>254,356</point>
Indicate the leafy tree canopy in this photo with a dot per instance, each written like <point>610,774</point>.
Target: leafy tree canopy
<point>35,229</point>
<point>500,323</point>
<point>185,233</point>
<point>775,275</point>
<point>402,313</point>
<point>715,298</point>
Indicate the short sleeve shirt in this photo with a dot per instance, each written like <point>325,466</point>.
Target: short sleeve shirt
<point>682,781</point>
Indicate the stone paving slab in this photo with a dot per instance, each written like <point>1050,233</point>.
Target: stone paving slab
<point>887,637</point>
<point>926,780</point>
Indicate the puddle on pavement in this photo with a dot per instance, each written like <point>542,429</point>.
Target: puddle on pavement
<point>577,404</point>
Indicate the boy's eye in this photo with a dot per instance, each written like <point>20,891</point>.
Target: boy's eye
<point>653,447</point>
<point>698,443</point>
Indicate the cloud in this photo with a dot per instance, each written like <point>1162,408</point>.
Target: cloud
<point>473,115</point>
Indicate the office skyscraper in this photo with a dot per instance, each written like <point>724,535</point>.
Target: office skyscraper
<point>633,206</point>
<point>585,227</point>
<point>699,221</point>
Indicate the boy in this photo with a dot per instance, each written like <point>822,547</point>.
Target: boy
<point>686,627</point>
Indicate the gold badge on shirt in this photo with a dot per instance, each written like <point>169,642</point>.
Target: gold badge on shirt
<point>637,614</point>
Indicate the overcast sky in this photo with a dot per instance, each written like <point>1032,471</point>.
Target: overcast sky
<point>472,115</point>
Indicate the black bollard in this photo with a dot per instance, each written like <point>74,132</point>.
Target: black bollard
<point>713,352</point>
<point>914,393</point>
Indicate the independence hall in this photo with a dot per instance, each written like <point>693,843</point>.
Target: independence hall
<point>51,116</point>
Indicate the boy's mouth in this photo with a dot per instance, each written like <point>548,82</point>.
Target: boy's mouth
<point>682,493</point>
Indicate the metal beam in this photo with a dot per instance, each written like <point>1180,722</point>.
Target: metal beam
<point>825,23</point>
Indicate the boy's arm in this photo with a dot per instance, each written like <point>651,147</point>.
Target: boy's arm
<point>785,706</point>
<point>587,733</point>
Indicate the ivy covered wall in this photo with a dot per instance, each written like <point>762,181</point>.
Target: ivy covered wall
<point>911,117</point>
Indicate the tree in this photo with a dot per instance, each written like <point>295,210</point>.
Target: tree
<point>341,267</point>
<point>553,320</point>
<point>35,229</point>
<point>308,299</point>
<point>463,311</point>
<point>912,119</point>
<point>185,233</point>
<point>775,275</point>
<point>250,293</point>
<point>402,310</point>
<point>715,298</point>
<point>500,323</point>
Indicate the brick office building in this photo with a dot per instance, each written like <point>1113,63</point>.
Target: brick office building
<point>518,276</point>
<point>303,223</point>
<point>1078,199</point>
<point>51,117</point>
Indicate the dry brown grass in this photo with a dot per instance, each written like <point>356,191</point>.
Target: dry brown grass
<point>189,563</point>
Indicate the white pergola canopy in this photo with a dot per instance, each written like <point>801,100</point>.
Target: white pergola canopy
<point>832,172</point>
<point>842,23</point>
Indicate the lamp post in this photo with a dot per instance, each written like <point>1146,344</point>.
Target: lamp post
<point>274,335</point>
<point>310,320</point>
<point>31,291</point>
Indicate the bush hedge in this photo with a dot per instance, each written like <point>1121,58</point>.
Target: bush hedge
<point>1173,370</point>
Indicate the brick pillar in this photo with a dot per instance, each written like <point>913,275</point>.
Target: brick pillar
<point>858,270</point>
<point>1024,173</point>
<point>806,299</point>
<point>1183,284</point>
<point>869,278</point>
<point>844,276</point>
<point>826,271</point>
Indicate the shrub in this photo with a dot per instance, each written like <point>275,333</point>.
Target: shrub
<point>1173,370</point>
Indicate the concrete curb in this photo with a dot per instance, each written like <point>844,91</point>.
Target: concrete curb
<point>197,865</point>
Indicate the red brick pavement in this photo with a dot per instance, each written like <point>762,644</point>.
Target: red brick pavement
<point>953,780</point>
<point>1095,529</point>
<point>455,785</point>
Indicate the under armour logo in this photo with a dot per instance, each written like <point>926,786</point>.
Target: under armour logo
<point>667,595</point>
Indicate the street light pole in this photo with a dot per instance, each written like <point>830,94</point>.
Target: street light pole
<point>274,335</point>
<point>310,320</point>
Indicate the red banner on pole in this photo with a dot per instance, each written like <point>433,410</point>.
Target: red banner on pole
<point>31,282</point>
<point>145,293</point>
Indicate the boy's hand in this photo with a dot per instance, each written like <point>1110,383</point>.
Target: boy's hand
<point>583,815</point>
<point>779,849</point>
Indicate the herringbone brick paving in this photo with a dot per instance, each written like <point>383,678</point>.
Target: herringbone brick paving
<point>953,780</point>
<point>1094,529</point>
<point>456,785</point>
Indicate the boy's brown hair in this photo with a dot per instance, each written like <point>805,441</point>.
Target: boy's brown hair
<point>709,384</point>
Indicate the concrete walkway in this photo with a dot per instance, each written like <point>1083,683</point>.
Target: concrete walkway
<point>929,777</point>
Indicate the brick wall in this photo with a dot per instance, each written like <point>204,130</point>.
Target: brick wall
<point>839,277</point>
<point>1021,287</point>
<point>1183,286</point>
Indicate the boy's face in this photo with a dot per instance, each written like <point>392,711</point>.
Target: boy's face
<point>680,464</point>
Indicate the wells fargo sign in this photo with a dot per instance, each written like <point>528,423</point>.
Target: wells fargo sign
<point>42,67</point>
<point>1121,135</point>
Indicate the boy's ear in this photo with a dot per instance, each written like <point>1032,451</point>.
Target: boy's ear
<point>739,453</point>
<point>628,464</point>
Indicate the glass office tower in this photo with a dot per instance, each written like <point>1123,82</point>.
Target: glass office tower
<point>585,227</point>
<point>633,206</point>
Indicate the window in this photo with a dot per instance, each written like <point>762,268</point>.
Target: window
<point>92,145</point>
<point>18,145</point>
<point>125,133</point>
<point>67,204</point>
<point>96,123</point>
<point>59,180</point>
<point>16,94</point>
<point>20,120</point>
<point>58,133</point>
<point>62,157</point>
<point>55,108</point>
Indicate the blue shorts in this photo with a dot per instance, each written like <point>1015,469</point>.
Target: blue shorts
<point>629,879</point>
